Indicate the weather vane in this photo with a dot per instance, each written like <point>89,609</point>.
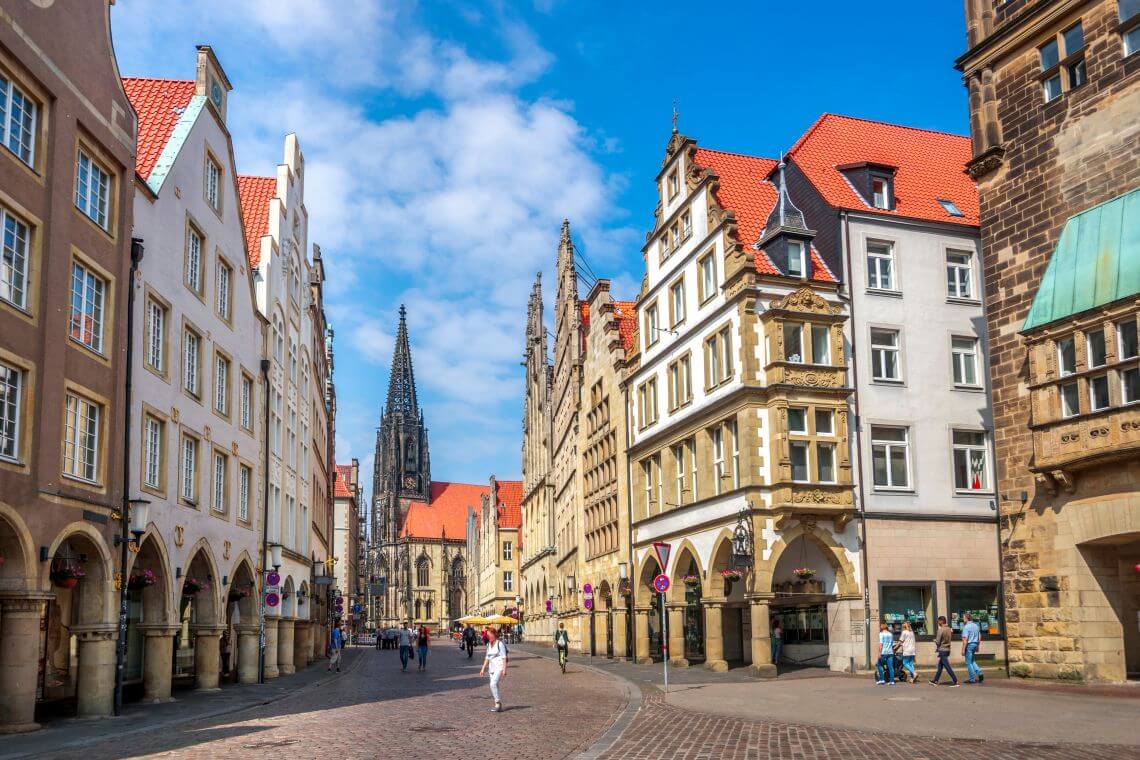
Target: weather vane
<point>674,115</point>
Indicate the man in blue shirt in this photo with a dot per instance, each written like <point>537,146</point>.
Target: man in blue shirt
<point>971,640</point>
<point>886,663</point>
<point>337,645</point>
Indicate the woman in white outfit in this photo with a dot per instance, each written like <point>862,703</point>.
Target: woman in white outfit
<point>495,660</point>
<point>908,651</point>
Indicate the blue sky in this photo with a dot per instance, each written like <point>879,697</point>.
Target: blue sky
<point>446,142</point>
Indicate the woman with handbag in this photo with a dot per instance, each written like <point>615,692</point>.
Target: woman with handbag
<point>908,650</point>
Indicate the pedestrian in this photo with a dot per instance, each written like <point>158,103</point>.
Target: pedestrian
<point>942,641</point>
<point>495,660</point>
<point>909,650</point>
<point>405,645</point>
<point>422,641</point>
<point>777,641</point>
<point>971,640</point>
<point>379,639</point>
<point>469,640</point>
<point>486,636</point>
<point>335,646</point>
<point>886,663</point>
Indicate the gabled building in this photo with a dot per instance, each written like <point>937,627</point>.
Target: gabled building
<point>495,554</point>
<point>347,522</point>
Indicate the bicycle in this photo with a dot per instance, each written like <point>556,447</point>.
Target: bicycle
<point>563,653</point>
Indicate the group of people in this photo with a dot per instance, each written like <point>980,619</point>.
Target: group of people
<point>420,639</point>
<point>943,639</point>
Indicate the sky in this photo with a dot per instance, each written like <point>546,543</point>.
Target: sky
<point>445,142</point>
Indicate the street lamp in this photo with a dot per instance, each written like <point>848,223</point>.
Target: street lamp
<point>623,571</point>
<point>275,556</point>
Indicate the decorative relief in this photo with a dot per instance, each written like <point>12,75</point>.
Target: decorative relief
<point>1098,432</point>
<point>226,550</point>
<point>805,300</point>
<point>175,415</point>
<point>234,448</point>
<point>179,535</point>
<point>1070,437</point>
<point>1064,479</point>
<point>816,496</point>
<point>812,379</point>
<point>1046,482</point>
<point>206,433</point>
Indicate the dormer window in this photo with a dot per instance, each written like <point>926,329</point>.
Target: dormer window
<point>881,191</point>
<point>674,184</point>
<point>951,207</point>
<point>797,267</point>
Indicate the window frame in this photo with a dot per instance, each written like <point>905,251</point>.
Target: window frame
<point>16,84</point>
<point>1063,68</point>
<point>973,353</point>
<point>956,448</point>
<point>958,268</point>
<point>788,354</point>
<point>223,393</point>
<point>214,203</point>
<point>706,271</point>
<point>151,303</point>
<point>102,302</point>
<point>26,256</point>
<point>195,392</point>
<point>831,447</point>
<point>85,150</point>
<point>814,330</point>
<point>801,258</point>
<point>652,324</point>
<point>931,622</point>
<point>221,487</point>
<point>246,401</point>
<point>157,487</point>
<point>888,191</point>
<point>16,405</point>
<point>906,445</point>
<point>986,635</point>
<point>97,460</point>
<point>194,277</point>
<point>879,256</point>
<point>881,349</point>
<point>193,479</point>
<point>224,307</point>
<point>677,302</point>
<point>245,488</point>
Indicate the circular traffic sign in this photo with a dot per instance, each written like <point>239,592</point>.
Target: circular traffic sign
<point>661,583</point>
<point>272,600</point>
<point>274,579</point>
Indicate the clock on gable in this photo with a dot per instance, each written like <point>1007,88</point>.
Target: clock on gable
<point>409,482</point>
<point>216,93</point>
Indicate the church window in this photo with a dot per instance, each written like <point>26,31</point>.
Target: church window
<point>422,569</point>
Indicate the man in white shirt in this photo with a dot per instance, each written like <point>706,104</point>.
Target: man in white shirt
<point>405,646</point>
<point>886,663</point>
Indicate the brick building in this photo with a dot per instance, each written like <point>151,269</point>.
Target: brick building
<point>1055,122</point>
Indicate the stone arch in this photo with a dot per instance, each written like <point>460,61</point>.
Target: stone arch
<point>204,605</point>
<point>98,602</point>
<point>305,600</point>
<point>18,567</point>
<point>1107,518</point>
<point>649,570</point>
<point>158,599</point>
<point>845,575</point>
<point>288,598</point>
<point>242,594</point>
<point>684,560</point>
<point>603,596</point>
<point>721,559</point>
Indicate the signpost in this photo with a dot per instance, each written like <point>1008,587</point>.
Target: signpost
<point>661,585</point>
<point>588,596</point>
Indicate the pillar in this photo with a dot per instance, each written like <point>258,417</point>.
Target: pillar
<point>96,692</point>
<point>271,670</point>
<point>677,635</point>
<point>19,662</point>
<point>207,657</point>
<point>714,636</point>
<point>158,656</point>
<point>302,643</point>
<point>285,647</point>
<point>248,640</point>
<point>762,666</point>
<point>619,620</point>
<point>641,636</point>
<point>317,638</point>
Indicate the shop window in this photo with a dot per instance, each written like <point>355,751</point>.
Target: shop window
<point>982,601</point>
<point>908,603</point>
<point>806,624</point>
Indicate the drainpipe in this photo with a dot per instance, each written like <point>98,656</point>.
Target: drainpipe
<point>866,559</point>
<point>630,627</point>
<point>137,252</point>
<point>265,365</point>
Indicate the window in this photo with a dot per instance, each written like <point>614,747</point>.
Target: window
<point>1070,400</point>
<point>718,357</point>
<point>245,475</point>
<point>735,462</point>
<point>686,225</point>
<point>18,117</point>
<point>191,362</point>
<point>907,603</point>
<point>1098,393</point>
<point>825,462</point>
<point>651,325</point>
<point>692,446</point>
<point>725,340</point>
<point>797,267</point>
<point>422,572</point>
<point>1126,336</point>
<point>213,184</point>
<point>981,600</point>
<point>680,382</point>
<point>950,206</point>
<point>291,434</point>
<point>11,399</point>
<point>14,260</point>
<point>155,335</point>
<point>152,455</point>
<point>508,580</point>
<point>824,422</point>
<point>647,402</point>
<point>291,521</point>
<point>798,453</point>
<point>508,550</point>
<point>1094,340</point>
<point>679,461</point>
<point>1130,385</point>
<point>964,360</point>
<point>1130,25</point>
<point>81,445</point>
<point>890,456</point>
<point>221,384</point>
<point>959,271</point>
<point>820,344</point>
<point>194,260</point>
<point>718,459</point>
<point>797,420</point>
<point>881,191</point>
<point>223,279</point>
<point>793,342</point>
<point>292,362</point>
<point>278,340</point>
<point>189,483</point>
<point>87,302</point>
<point>971,461</point>
<point>1067,356</point>
<point>674,184</point>
<point>275,412</point>
<point>880,266</point>
<point>1063,62</point>
<point>885,355</point>
<point>219,504</point>
<point>246,402</point>
<point>92,189</point>
<point>707,265</point>
<point>677,303</point>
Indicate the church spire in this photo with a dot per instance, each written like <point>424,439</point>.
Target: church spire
<point>401,381</point>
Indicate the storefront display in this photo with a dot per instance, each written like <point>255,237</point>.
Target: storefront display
<point>981,601</point>
<point>912,603</point>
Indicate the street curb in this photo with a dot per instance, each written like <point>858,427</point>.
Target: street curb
<point>176,722</point>
<point>611,735</point>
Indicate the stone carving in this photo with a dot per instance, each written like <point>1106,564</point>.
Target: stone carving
<point>1064,479</point>
<point>814,496</point>
<point>1047,483</point>
<point>234,448</point>
<point>1070,437</point>
<point>812,379</point>
<point>1098,432</point>
<point>179,535</point>
<point>988,162</point>
<point>226,550</point>
<point>805,300</point>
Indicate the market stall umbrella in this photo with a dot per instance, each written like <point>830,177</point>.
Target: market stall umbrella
<point>475,620</point>
<point>502,620</point>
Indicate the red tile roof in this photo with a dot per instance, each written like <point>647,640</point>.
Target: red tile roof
<point>340,482</point>
<point>584,313</point>
<point>255,194</point>
<point>159,103</point>
<point>510,494</point>
<point>626,312</point>
<point>447,513</point>
<point>930,165</point>
<point>745,190</point>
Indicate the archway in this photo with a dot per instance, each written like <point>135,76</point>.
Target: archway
<point>727,585</point>
<point>196,653</point>
<point>685,608</point>
<point>17,564</point>
<point>654,619</point>
<point>240,652</point>
<point>603,603</point>
<point>150,621</point>
<point>1114,563</point>
<point>21,614</point>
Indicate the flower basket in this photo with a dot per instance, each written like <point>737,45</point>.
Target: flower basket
<point>300,600</point>
<point>692,581</point>
<point>804,573</point>
<point>140,580</point>
<point>286,594</point>
<point>237,595</point>
<point>67,576</point>
<point>192,586</point>
<point>731,574</point>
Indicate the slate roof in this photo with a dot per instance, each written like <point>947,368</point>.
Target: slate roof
<point>160,103</point>
<point>447,512</point>
<point>254,193</point>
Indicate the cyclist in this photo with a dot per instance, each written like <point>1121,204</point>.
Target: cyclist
<point>562,644</point>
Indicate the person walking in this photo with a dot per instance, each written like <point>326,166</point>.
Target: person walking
<point>495,660</point>
<point>562,645</point>
<point>335,646</point>
<point>942,641</point>
<point>886,664</point>
<point>777,641</point>
<point>909,651</point>
<point>405,645</point>
<point>971,640</point>
<point>423,640</point>
<point>469,640</point>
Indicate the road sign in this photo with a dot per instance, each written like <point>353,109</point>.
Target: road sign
<point>357,608</point>
<point>273,579</point>
<point>588,596</point>
<point>661,583</point>
<point>662,549</point>
<point>272,600</point>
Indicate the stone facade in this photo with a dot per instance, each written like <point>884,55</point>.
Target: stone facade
<point>1050,143</point>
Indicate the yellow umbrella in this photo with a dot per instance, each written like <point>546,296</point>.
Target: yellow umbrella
<point>475,620</point>
<point>502,620</point>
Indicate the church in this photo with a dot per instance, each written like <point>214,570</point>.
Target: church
<point>419,525</point>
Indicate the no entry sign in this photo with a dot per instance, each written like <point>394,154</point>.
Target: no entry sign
<point>661,583</point>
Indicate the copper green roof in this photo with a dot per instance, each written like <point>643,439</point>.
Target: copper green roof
<point>1097,261</point>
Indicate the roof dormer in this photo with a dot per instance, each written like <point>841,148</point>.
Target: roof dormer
<point>786,238</point>
<point>874,182</point>
<point>211,81</point>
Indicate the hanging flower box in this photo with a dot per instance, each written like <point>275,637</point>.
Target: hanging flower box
<point>237,594</point>
<point>692,581</point>
<point>67,576</point>
<point>286,594</point>
<point>192,586</point>
<point>804,573</point>
<point>141,579</point>
<point>731,574</point>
